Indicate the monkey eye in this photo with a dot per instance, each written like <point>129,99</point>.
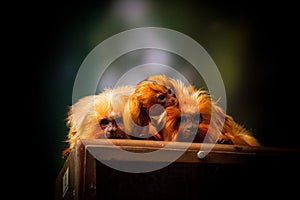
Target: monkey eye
<point>170,91</point>
<point>161,97</point>
<point>104,122</point>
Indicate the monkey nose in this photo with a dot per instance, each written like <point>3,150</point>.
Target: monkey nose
<point>189,128</point>
<point>170,102</point>
<point>109,128</point>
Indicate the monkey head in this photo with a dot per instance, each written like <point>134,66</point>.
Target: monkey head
<point>149,93</point>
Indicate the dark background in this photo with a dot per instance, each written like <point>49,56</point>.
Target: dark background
<point>254,45</point>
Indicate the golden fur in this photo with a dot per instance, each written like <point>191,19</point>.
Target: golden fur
<point>148,100</point>
<point>157,108</point>
<point>234,133</point>
<point>186,121</point>
<point>85,116</point>
<point>213,124</point>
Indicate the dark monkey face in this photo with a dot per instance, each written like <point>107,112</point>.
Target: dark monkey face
<point>187,126</point>
<point>167,97</point>
<point>149,93</point>
<point>112,128</point>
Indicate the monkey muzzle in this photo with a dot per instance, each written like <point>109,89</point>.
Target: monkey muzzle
<point>114,132</point>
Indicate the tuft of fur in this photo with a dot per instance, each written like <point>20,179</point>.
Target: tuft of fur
<point>157,108</point>
<point>181,121</point>
<point>85,115</point>
<point>235,133</point>
<point>213,124</point>
<point>147,101</point>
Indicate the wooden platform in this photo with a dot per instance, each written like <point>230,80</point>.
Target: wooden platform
<point>226,171</point>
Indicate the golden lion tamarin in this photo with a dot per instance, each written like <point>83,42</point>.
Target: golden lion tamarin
<point>157,108</point>
<point>195,114</point>
<point>97,116</point>
<point>181,121</point>
<point>149,99</point>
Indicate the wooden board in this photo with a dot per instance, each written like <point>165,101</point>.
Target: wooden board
<point>227,170</point>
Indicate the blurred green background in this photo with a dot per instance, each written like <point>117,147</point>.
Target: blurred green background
<point>250,42</point>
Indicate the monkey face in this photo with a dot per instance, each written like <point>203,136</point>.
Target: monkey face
<point>110,127</point>
<point>165,90</point>
<point>162,101</point>
<point>181,125</point>
<point>188,125</point>
<point>149,93</point>
<point>167,97</point>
